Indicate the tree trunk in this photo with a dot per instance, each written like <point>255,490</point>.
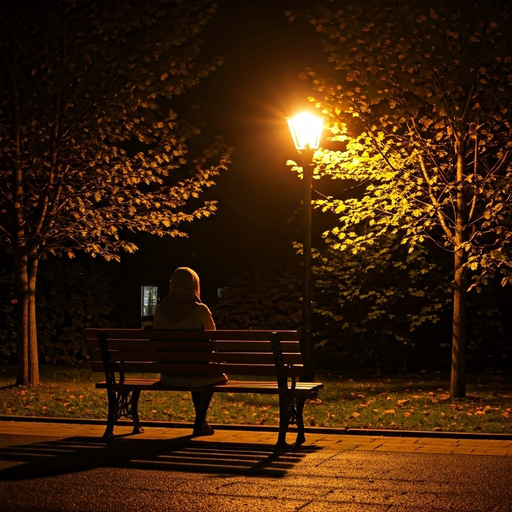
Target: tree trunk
<point>28,361</point>
<point>458,373</point>
<point>22,319</point>
<point>458,370</point>
<point>33,352</point>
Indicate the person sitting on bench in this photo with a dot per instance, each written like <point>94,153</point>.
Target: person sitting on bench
<point>182,309</point>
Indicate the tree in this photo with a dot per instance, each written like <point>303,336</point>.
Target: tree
<point>93,145</point>
<point>421,96</point>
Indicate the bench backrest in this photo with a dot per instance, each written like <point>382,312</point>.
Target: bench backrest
<point>233,352</point>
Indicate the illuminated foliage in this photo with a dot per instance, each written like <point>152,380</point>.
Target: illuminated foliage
<point>420,99</point>
<point>92,141</point>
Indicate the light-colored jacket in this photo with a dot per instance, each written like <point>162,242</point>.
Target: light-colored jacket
<point>181,309</point>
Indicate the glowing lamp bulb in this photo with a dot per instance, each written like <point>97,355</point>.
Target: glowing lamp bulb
<point>306,130</point>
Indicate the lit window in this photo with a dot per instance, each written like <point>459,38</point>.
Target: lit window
<point>221,292</point>
<point>148,300</point>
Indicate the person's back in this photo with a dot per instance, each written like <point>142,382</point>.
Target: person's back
<point>182,309</point>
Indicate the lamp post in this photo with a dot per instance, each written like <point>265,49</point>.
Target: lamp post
<point>306,130</point>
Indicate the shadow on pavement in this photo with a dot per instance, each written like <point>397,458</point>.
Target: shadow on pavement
<point>77,454</point>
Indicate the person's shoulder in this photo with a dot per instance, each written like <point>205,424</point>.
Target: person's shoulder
<point>202,311</point>
<point>203,314</point>
<point>202,308</point>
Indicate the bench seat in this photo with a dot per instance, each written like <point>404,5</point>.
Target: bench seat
<point>235,386</point>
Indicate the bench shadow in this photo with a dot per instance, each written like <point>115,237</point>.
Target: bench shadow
<point>77,454</point>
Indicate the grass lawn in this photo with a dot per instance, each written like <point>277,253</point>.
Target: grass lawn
<point>415,401</point>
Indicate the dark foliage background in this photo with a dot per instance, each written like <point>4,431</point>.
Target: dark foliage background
<point>71,297</point>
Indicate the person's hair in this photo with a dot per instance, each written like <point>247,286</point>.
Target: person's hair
<point>186,278</point>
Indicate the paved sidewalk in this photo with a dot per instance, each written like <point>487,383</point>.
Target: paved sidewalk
<point>54,466</point>
<point>340,442</point>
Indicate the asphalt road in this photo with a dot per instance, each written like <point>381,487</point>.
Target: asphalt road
<point>194,475</point>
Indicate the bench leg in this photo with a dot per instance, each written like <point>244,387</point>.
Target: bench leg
<point>123,404</point>
<point>137,427</point>
<point>284,421</point>
<point>301,438</point>
<point>113,408</point>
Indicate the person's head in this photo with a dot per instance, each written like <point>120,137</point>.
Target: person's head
<point>187,279</point>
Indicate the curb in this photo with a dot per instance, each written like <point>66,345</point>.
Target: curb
<point>274,428</point>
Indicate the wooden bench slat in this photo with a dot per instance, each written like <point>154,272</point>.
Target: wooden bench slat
<point>257,387</point>
<point>175,345</point>
<point>310,394</point>
<point>196,346</point>
<point>136,381</point>
<point>207,369</point>
<point>200,357</point>
<point>253,335</point>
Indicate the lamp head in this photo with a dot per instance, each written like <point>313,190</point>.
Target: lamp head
<point>306,130</point>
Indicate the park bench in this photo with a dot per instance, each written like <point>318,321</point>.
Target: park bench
<point>256,361</point>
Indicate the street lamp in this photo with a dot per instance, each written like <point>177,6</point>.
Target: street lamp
<point>306,130</point>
